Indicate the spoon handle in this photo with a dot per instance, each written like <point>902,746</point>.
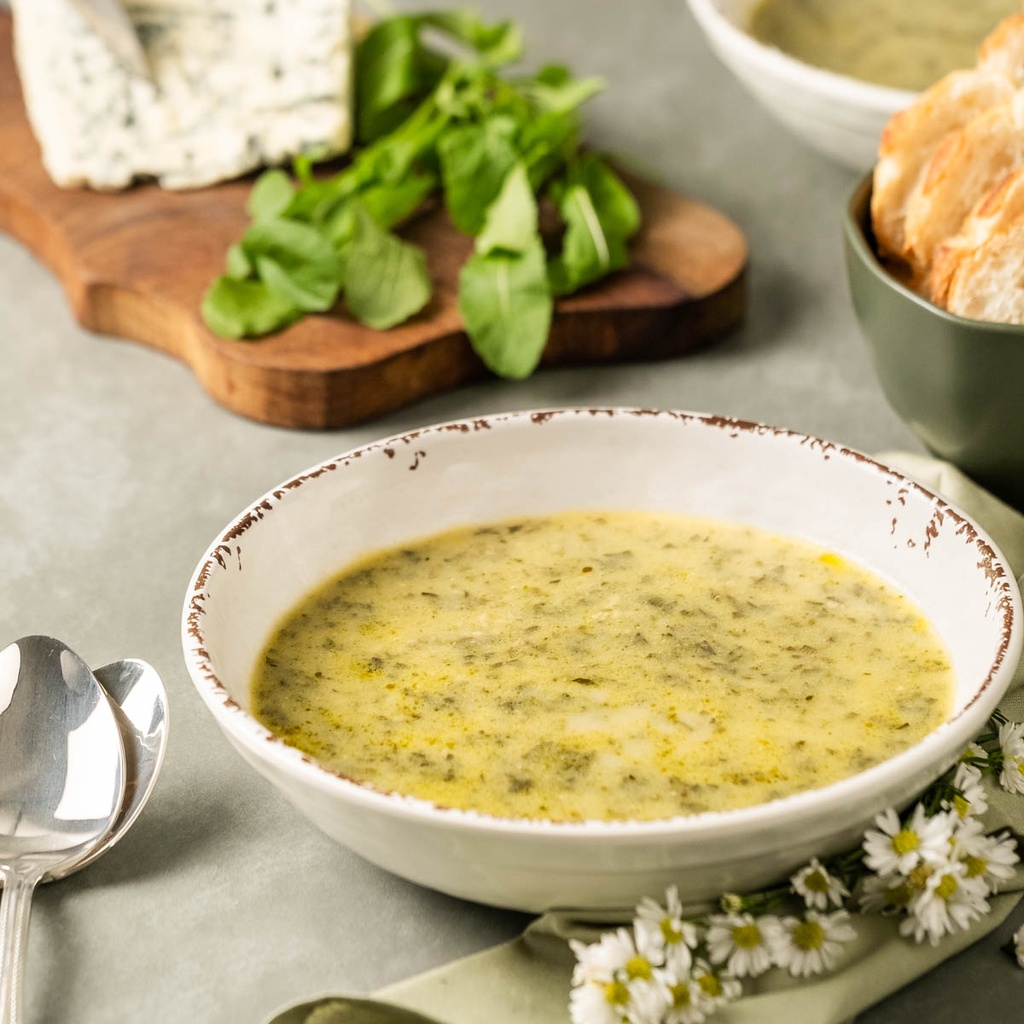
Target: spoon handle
<point>14,912</point>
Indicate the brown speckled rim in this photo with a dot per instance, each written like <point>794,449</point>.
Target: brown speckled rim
<point>240,725</point>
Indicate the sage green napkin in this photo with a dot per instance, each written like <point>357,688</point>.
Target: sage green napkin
<point>527,980</point>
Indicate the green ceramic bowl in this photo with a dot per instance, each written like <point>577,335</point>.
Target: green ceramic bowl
<point>957,383</point>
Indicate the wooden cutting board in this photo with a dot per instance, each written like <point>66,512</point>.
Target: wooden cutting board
<point>135,264</point>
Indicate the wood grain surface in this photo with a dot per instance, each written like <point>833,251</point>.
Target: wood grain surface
<point>135,264</point>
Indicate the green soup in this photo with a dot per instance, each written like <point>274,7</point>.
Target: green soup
<point>602,666</point>
<point>908,44</point>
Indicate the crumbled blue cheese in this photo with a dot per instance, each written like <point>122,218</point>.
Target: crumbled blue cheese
<point>236,85</point>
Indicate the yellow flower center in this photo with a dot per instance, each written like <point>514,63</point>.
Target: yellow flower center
<point>816,882</point>
<point>976,866</point>
<point>710,985</point>
<point>616,993</point>
<point>947,887</point>
<point>961,805</point>
<point>669,932</point>
<point>638,967</point>
<point>905,841</point>
<point>808,935</point>
<point>746,936</point>
<point>681,996</point>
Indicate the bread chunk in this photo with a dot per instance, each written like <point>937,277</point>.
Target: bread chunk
<point>989,281</point>
<point>912,136</point>
<point>995,213</point>
<point>964,166</point>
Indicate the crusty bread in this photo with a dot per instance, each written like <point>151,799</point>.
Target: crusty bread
<point>964,166</point>
<point>987,282</point>
<point>1002,50</point>
<point>947,203</point>
<point>996,212</point>
<point>911,137</point>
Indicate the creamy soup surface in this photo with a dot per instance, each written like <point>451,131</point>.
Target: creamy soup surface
<point>907,44</point>
<point>586,666</point>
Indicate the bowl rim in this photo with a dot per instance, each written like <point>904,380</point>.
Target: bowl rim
<point>831,84</point>
<point>857,228</point>
<point>247,733</point>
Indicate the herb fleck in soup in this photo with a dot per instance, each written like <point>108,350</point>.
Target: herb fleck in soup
<point>608,666</point>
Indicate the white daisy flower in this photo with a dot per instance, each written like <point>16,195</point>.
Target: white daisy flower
<point>662,934</point>
<point>745,944</point>
<point>1011,742</point>
<point>649,1001</point>
<point>813,943</point>
<point>974,752</point>
<point>718,988</point>
<point>1011,739</point>
<point>1018,946</point>
<point>597,1003</point>
<point>898,847</point>
<point>605,960</point>
<point>949,901</point>
<point>885,894</point>
<point>817,887</point>
<point>971,799</point>
<point>1011,777</point>
<point>990,858</point>
<point>687,1002</point>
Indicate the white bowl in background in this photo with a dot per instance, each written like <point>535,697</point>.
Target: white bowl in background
<point>494,467</point>
<point>837,115</point>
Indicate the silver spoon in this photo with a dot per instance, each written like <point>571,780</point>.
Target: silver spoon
<point>139,702</point>
<point>349,1010</point>
<point>62,781</point>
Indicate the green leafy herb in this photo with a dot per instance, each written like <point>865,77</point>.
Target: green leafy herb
<point>504,296</point>
<point>239,309</point>
<point>295,261</point>
<point>386,279</point>
<point>437,115</point>
<point>601,216</point>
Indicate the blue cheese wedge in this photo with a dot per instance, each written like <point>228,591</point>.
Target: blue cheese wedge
<point>235,85</point>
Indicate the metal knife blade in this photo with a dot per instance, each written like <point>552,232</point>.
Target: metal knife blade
<point>109,20</point>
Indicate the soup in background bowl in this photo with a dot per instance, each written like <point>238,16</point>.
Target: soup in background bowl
<point>544,463</point>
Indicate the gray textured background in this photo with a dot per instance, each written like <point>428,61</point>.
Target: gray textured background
<point>117,471</point>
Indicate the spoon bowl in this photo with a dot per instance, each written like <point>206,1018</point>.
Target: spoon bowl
<point>62,782</point>
<point>139,703</point>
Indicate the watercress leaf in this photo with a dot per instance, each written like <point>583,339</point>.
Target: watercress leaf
<point>498,44</point>
<point>295,260</point>
<point>271,195</point>
<point>244,309</point>
<point>510,224</point>
<point>546,142</point>
<point>600,215</point>
<point>238,264</point>
<point>555,90</point>
<point>475,160</point>
<point>506,306</point>
<point>615,204</point>
<point>339,226</point>
<point>393,73</point>
<point>588,252</point>
<point>386,279</point>
<point>391,204</point>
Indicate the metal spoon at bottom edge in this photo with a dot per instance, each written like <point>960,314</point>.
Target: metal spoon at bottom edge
<point>349,1010</point>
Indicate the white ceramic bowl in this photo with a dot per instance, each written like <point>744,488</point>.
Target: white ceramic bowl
<point>532,463</point>
<point>839,116</point>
